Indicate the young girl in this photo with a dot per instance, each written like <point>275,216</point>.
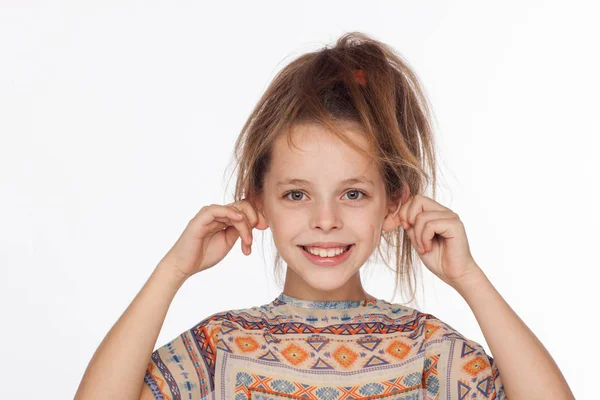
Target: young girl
<point>334,159</point>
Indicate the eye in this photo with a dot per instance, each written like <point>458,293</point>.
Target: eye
<point>293,191</point>
<point>357,191</point>
<point>302,193</point>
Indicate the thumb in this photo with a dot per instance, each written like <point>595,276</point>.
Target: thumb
<point>231,236</point>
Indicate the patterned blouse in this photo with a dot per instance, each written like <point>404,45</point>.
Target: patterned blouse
<point>297,349</point>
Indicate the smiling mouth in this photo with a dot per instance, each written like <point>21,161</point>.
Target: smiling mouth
<point>336,255</point>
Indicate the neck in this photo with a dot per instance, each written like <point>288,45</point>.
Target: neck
<point>298,288</point>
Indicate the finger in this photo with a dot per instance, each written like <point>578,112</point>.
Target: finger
<point>425,227</point>
<point>411,234</point>
<point>226,215</point>
<point>251,215</point>
<point>240,227</point>
<point>429,232</point>
<point>431,229</point>
<point>403,213</point>
<point>415,208</point>
<point>220,223</point>
<point>243,226</point>
<point>420,220</point>
<point>248,211</point>
<point>208,213</point>
<point>215,226</point>
<point>421,204</point>
<point>247,246</point>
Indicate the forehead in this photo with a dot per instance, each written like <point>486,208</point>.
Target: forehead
<point>314,150</point>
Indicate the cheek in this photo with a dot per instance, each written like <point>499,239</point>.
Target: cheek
<point>285,224</point>
<point>374,233</point>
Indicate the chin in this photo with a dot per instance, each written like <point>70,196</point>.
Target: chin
<point>324,278</point>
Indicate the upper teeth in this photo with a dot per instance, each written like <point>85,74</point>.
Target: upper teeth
<point>333,251</point>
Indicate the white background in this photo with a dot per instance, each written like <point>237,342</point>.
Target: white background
<point>118,119</point>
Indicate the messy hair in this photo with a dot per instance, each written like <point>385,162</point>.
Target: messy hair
<point>358,80</point>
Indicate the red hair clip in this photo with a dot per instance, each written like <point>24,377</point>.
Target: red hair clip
<point>359,76</point>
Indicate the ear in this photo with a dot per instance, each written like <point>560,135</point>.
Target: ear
<point>257,204</point>
<point>392,219</point>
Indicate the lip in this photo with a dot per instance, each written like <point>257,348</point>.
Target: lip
<point>329,261</point>
<point>326,245</point>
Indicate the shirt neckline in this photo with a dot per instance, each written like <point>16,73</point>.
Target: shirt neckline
<point>328,305</point>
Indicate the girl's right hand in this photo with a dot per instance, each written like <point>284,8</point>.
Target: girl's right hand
<point>211,234</point>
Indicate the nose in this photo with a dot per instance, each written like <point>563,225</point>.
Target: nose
<point>326,216</point>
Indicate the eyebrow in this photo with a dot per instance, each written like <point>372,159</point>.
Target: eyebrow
<point>298,181</point>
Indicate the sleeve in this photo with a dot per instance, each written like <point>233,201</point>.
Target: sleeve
<point>184,367</point>
<point>469,372</point>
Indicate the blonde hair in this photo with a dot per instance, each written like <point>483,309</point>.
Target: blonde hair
<point>358,80</point>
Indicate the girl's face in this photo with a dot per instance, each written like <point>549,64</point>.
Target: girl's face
<point>324,209</point>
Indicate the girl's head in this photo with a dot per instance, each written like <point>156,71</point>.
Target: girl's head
<point>355,110</point>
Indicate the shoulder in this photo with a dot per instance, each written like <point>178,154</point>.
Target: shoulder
<point>467,368</point>
<point>463,368</point>
<point>437,330</point>
<point>184,367</point>
<point>431,327</point>
<point>463,365</point>
<point>210,328</point>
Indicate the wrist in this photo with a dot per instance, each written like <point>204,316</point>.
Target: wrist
<point>472,279</point>
<point>167,272</point>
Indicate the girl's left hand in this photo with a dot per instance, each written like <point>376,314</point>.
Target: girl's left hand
<point>440,232</point>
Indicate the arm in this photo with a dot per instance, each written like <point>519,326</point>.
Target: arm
<point>527,369</point>
<point>118,366</point>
